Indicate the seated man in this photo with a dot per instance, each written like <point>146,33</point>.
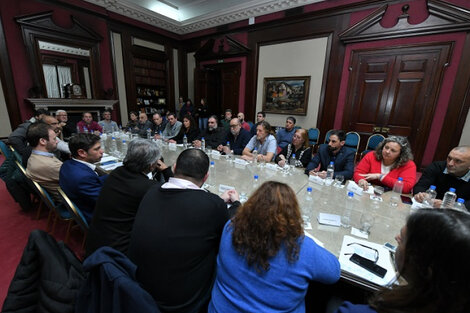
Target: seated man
<point>143,125</point>
<point>43,167</point>
<point>260,116</point>
<point>225,122</point>
<point>213,135</point>
<point>333,151</point>
<point>78,177</point>
<point>88,125</point>
<point>62,146</point>
<point>176,236</point>
<point>172,128</point>
<point>68,128</point>
<point>159,124</point>
<point>237,137</point>
<point>453,173</point>
<point>121,194</point>
<point>108,125</point>
<point>264,143</point>
<point>244,124</point>
<point>284,135</point>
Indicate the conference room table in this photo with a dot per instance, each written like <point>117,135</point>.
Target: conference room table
<point>331,199</point>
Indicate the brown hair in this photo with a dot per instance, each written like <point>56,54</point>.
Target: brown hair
<point>270,218</point>
<point>304,135</point>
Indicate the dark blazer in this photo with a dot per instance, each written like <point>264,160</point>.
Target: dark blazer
<point>191,136</point>
<point>82,185</point>
<point>116,209</point>
<point>344,162</point>
<point>174,243</point>
<point>238,144</point>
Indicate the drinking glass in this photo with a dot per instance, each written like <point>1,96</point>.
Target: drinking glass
<point>339,179</point>
<point>378,192</point>
<point>367,221</point>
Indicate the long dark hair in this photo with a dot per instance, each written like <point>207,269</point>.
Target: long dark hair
<point>435,265</point>
<point>192,123</point>
<point>270,218</point>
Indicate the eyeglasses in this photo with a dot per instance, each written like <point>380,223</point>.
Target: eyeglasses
<point>360,244</point>
<point>234,126</point>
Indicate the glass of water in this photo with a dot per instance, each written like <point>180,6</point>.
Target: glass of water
<point>339,179</point>
<point>367,221</point>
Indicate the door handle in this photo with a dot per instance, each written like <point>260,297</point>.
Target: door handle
<point>385,130</point>
<point>376,129</point>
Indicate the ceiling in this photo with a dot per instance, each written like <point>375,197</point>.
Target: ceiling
<point>186,16</point>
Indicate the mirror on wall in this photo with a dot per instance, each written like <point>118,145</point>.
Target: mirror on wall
<point>64,60</point>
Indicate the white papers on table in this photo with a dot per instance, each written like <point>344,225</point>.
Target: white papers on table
<point>352,186</point>
<point>417,205</point>
<point>384,260</point>
<point>172,146</point>
<point>271,166</point>
<point>111,166</point>
<point>329,219</point>
<point>224,188</point>
<point>240,162</point>
<point>316,179</point>
<point>107,159</point>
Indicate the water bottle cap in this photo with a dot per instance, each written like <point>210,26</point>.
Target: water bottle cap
<point>332,163</point>
<point>432,187</point>
<point>460,200</point>
<point>228,142</point>
<point>350,194</point>
<point>113,138</point>
<point>452,189</point>
<point>293,155</point>
<point>148,129</point>
<point>185,135</point>
<point>212,163</point>
<point>400,179</point>
<point>123,141</point>
<point>256,176</point>
<point>309,189</point>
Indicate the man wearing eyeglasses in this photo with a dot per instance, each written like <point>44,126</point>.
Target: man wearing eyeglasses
<point>67,127</point>
<point>238,138</point>
<point>452,173</point>
<point>213,135</point>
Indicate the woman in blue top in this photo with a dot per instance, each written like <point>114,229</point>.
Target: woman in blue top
<point>265,262</point>
<point>432,255</point>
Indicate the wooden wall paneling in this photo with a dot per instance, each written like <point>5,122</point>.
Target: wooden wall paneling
<point>170,81</point>
<point>8,85</point>
<point>307,29</point>
<point>458,108</point>
<point>182,73</point>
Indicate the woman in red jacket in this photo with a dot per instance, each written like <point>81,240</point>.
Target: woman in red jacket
<point>391,159</point>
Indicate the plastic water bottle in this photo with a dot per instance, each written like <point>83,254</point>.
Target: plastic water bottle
<point>85,130</point>
<point>203,144</point>
<point>430,196</point>
<point>113,147</point>
<point>460,205</point>
<point>255,156</point>
<point>149,133</point>
<point>255,182</point>
<point>185,142</point>
<point>397,189</point>
<point>449,199</point>
<point>292,160</point>
<point>78,130</point>
<point>124,148</point>
<point>348,207</point>
<point>229,154</point>
<point>330,171</point>
<point>103,141</point>
<point>308,195</point>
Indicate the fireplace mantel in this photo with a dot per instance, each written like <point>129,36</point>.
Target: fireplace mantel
<point>84,104</point>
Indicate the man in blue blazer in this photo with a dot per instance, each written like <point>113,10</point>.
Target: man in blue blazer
<point>78,177</point>
<point>333,151</point>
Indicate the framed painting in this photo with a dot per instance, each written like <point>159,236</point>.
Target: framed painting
<point>286,95</point>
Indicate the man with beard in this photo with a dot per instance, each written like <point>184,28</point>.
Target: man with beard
<point>336,152</point>
<point>213,135</point>
<point>237,137</point>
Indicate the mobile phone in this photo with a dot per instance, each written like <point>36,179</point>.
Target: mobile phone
<point>406,200</point>
<point>368,265</point>
<point>390,247</point>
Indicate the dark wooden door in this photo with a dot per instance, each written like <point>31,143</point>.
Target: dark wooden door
<point>220,84</point>
<point>394,92</point>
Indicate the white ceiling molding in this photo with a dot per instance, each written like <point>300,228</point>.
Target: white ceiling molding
<point>242,11</point>
<point>49,46</point>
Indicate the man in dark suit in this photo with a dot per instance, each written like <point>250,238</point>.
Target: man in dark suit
<point>238,138</point>
<point>176,235</point>
<point>121,194</point>
<point>335,151</point>
<point>78,177</point>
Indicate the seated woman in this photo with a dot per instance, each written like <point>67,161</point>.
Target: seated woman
<point>189,128</point>
<point>433,249</point>
<point>264,143</point>
<point>391,159</point>
<point>299,147</point>
<point>133,120</point>
<point>265,261</point>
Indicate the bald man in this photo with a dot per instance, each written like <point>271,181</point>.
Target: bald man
<point>143,125</point>
<point>452,173</point>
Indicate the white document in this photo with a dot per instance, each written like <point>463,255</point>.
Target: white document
<point>107,159</point>
<point>112,166</point>
<point>223,188</point>
<point>352,186</point>
<point>172,146</point>
<point>329,219</point>
<point>271,166</point>
<point>316,179</point>
<point>215,154</point>
<point>355,247</point>
<point>417,205</point>
<point>240,162</point>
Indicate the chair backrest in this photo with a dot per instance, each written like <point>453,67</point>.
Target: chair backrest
<point>373,141</point>
<point>327,135</point>
<point>76,213</point>
<point>6,151</point>
<point>353,140</point>
<point>313,135</point>
<point>18,156</point>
